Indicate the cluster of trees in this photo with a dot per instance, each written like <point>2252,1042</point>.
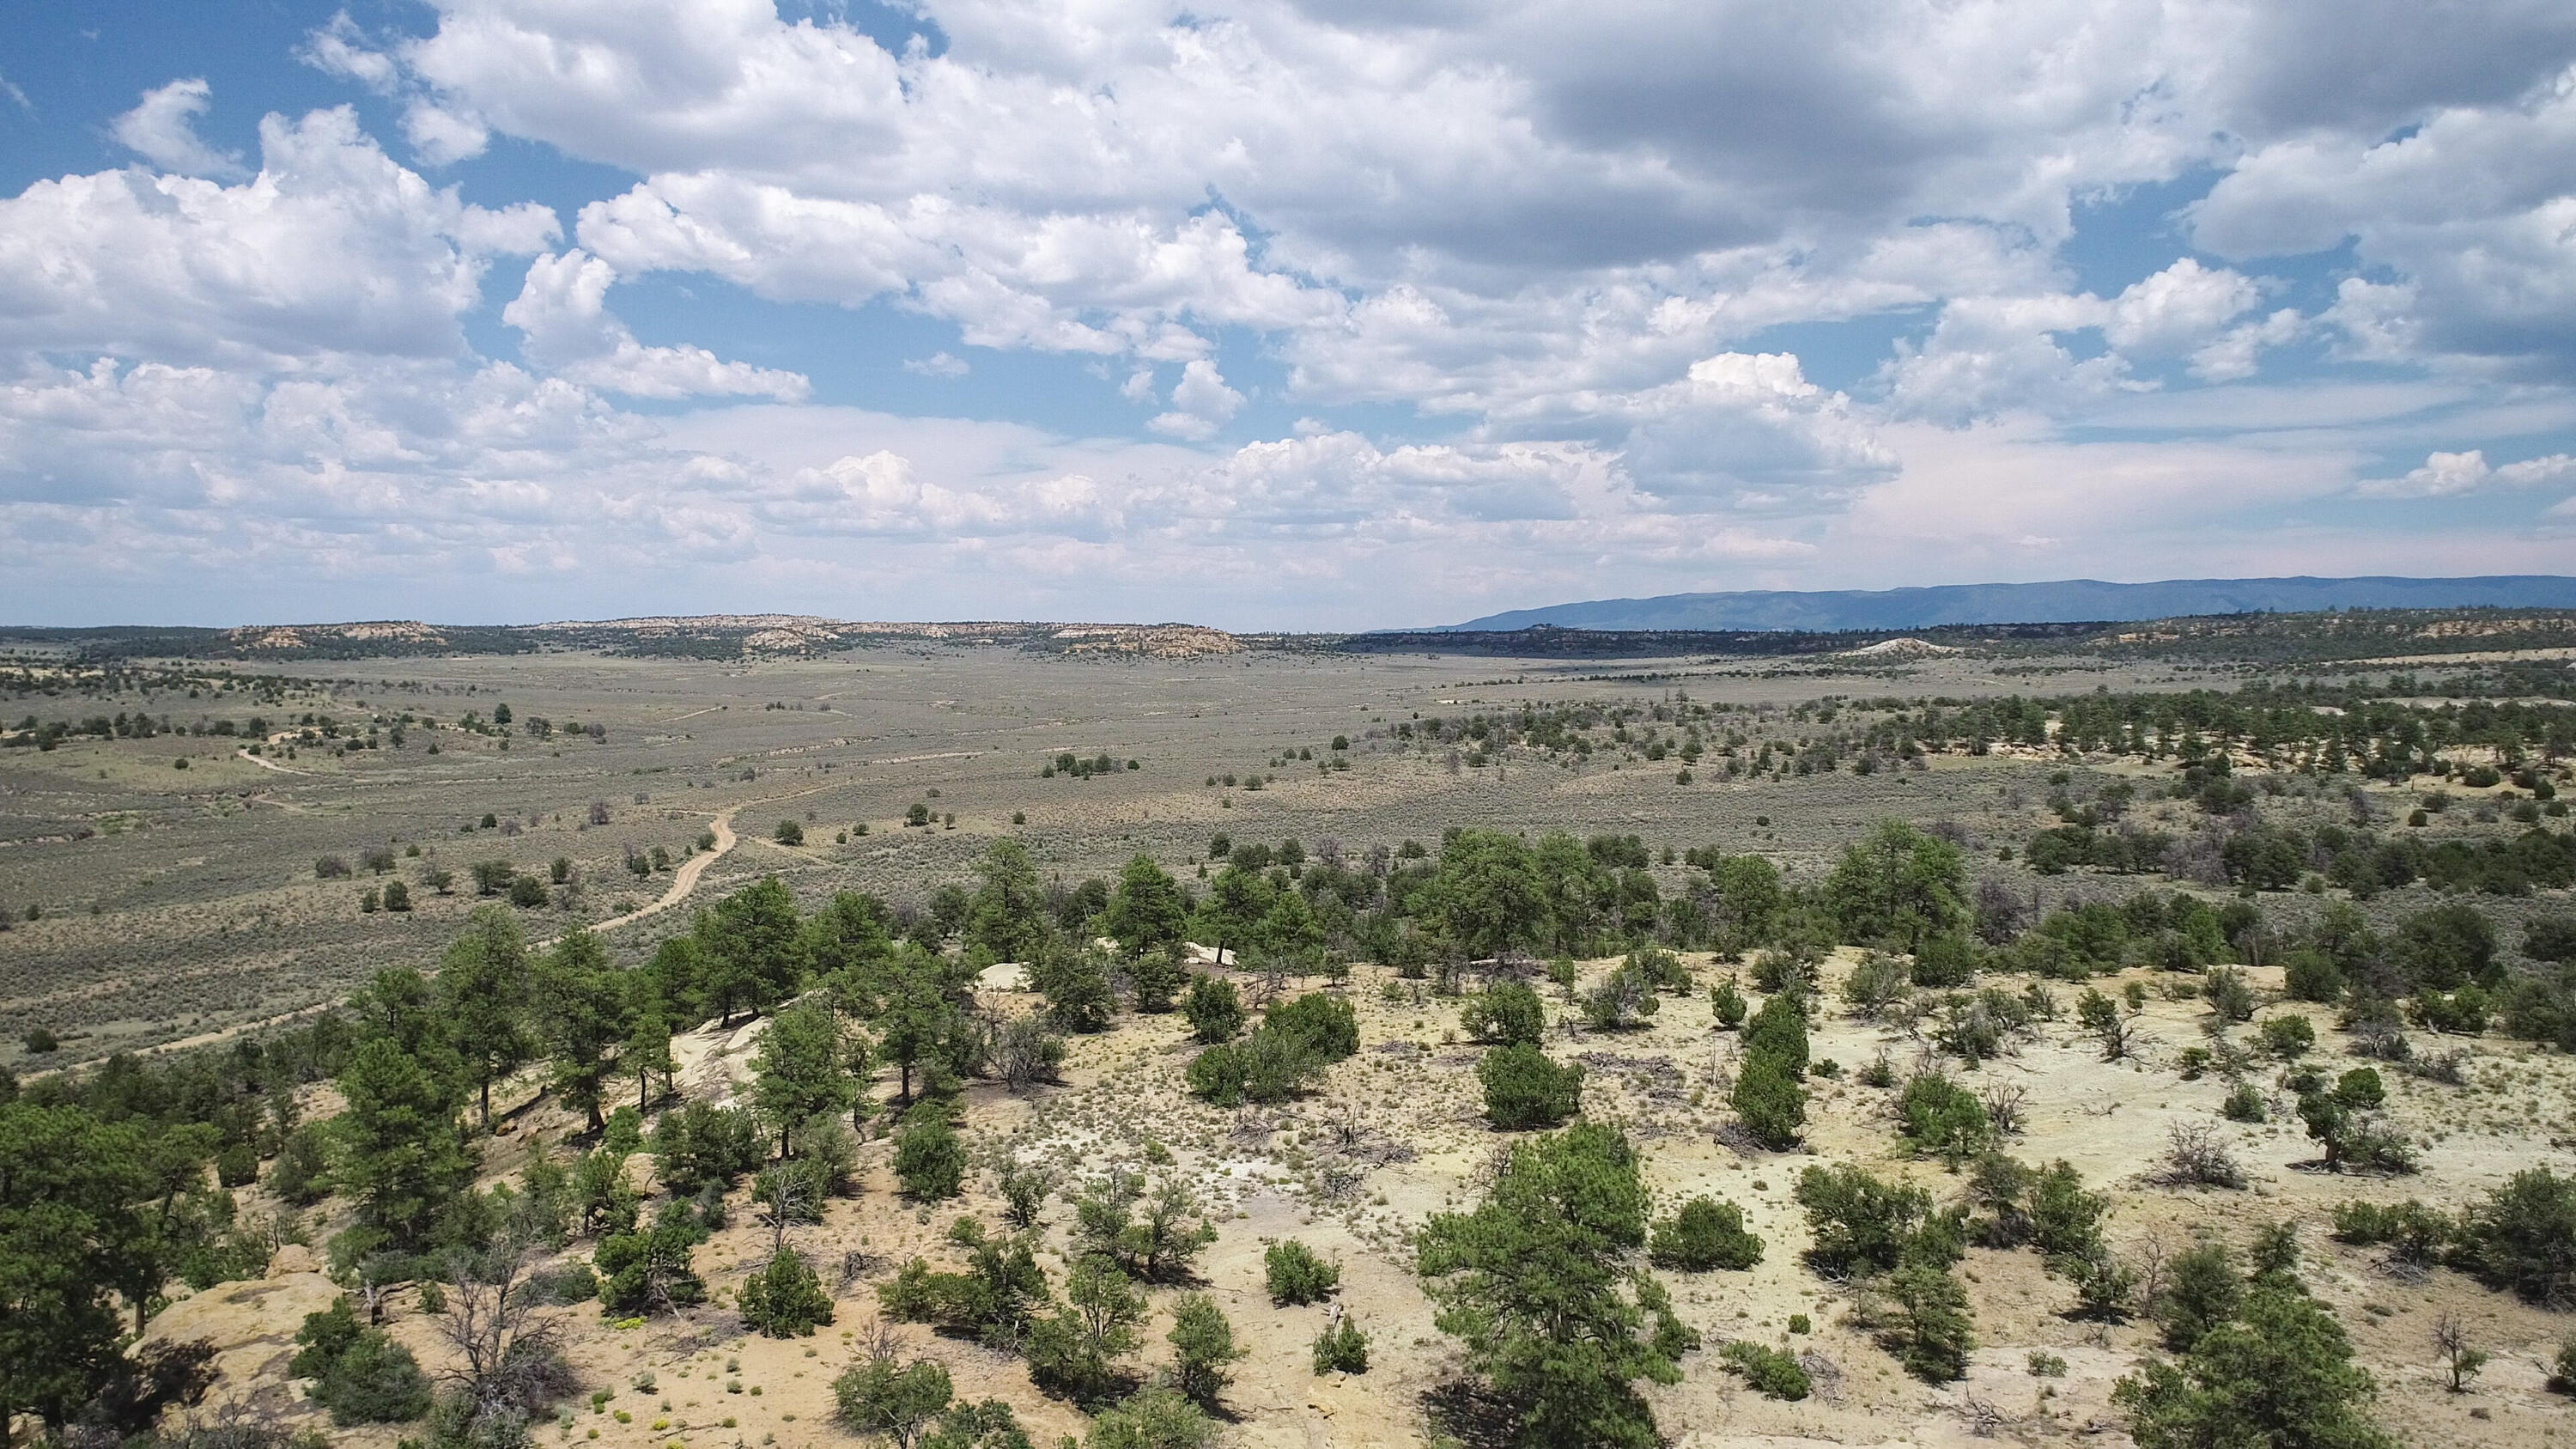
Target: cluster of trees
<point>1282,1056</point>
<point>2521,1238</point>
<point>1890,1238</point>
<point>1079,768</point>
<point>2257,1360</point>
<point>2304,726</point>
<point>1486,896</point>
<point>1079,1345</point>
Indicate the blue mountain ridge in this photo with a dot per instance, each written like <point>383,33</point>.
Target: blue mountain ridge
<point>2063,601</point>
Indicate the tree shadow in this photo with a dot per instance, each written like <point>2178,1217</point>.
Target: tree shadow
<point>1467,1411</point>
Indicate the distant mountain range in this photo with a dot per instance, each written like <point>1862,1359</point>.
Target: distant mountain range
<point>2065,601</point>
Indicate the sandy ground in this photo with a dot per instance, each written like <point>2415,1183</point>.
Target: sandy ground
<point>1395,1136</point>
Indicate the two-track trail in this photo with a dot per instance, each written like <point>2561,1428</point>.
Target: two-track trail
<point>683,882</point>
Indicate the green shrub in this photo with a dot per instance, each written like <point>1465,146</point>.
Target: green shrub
<point>1944,961</point>
<point>1768,1099</point>
<point>929,1160</point>
<point>1772,1373</point>
<point>1779,1031</point>
<point>2065,1220</point>
<point>1861,1226</point>
<point>2289,1037</point>
<point>1326,1024</point>
<point>2228,995</point>
<point>323,1338</point>
<point>2244,1104</point>
<point>2283,1375</point>
<point>1075,1350</point>
<point>569,1284</point>
<point>1877,982</point>
<point>1728,1003</point>
<point>695,1144</point>
<point>1623,1000</point>
<point>2412,1232</point>
<point>2202,1290</point>
<point>301,1174</point>
<point>2313,976</point>
<point>1216,1075</point>
<point>2353,1135</point>
<point>1941,1117</point>
<point>784,1299</point>
<point>647,1269</point>
<point>875,1397</point>
<point>2464,1012</point>
<point>1508,1013</point>
<point>1152,1419</point>
<point>1703,1234</point>
<point>1296,1275</point>
<point>991,1301</point>
<point>2523,1238</point>
<point>1525,1089</point>
<point>1202,1345</point>
<point>361,1375</point>
<point>1341,1347</point>
<point>237,1165</point>
<point>1933,1331</point>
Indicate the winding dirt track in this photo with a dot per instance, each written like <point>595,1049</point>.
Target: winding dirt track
<point>685,879</point>
<point>268,764</point>
<point>683,882</point>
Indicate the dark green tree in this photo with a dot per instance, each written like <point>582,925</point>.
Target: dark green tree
<point>2279,1374</point>
<point>801,1070</point>
<point>1524,1088</point>
<point>1075,982</point>
<point>1703,1234</point>
<point>1898,887</point>
<point>754,947</point>
<point>1075,1350</point>
<point>578,1002</point>
<point>1230,914</point>
<point>928,1158</point>
<point>1486,899</point>
<point>784,1299</point>
<point>875,1397</point>
<point>1540,1284</point>
<point>1202,1345</point>
<point>70,1226</point>
<point>1214,1009</point>
<point>402,1157</point>
<point>483,991</point>
<point>1008,918</point>
<point>1506,1013</point>
<point>1147,912</point>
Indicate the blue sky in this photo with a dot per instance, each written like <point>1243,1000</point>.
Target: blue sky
<point>1276,315</point>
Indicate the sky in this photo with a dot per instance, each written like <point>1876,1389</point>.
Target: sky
<point>1267,314</point>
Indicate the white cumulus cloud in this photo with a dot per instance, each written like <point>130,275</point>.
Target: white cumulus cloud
<point>2446,475</point>
<point>562,312</point>
<point>163,130</point>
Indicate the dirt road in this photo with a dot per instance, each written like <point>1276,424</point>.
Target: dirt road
<point>685,879</point>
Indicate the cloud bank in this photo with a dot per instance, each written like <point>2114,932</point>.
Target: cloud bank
<point>1389,314</point>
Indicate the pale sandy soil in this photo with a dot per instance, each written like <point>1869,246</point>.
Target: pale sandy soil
<point>1395,1137</point>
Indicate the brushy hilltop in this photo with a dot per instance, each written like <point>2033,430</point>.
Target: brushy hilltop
<point>707,636</point>
<point>2353,635</point>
